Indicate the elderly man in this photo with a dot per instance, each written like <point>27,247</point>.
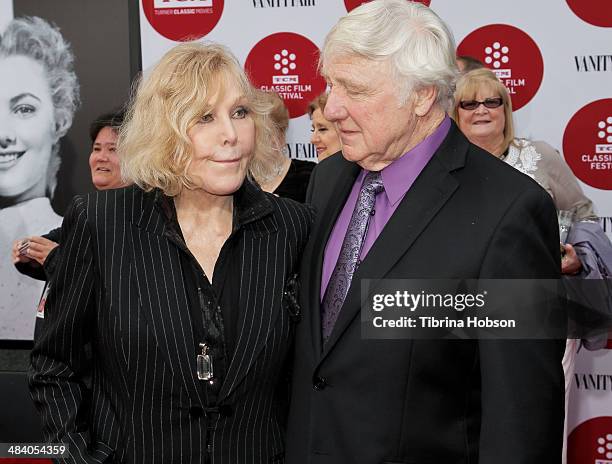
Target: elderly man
<point>409,197</point>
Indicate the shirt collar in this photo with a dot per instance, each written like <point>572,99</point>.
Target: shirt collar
<point>250,204</point>
<point>399,176</point>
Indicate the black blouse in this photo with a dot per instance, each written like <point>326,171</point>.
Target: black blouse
<point>212,305</point>
<point>295,182</point>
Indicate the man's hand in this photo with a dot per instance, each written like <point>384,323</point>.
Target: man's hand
<point>570,264</point>
<point>32,249</point>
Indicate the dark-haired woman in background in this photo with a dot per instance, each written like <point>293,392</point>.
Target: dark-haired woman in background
<point>34,256</point>
<point>104,162</point>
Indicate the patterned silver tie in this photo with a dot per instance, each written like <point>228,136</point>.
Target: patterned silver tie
<point>348,260</point>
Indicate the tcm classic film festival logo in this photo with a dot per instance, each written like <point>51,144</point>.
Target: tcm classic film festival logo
<point>352,4</point>
<point>587,144</point>
<point>286,63</point>
<point>512,55</point>
<point>591,442</point>
<point>183,19</point>
<point>595,12</point>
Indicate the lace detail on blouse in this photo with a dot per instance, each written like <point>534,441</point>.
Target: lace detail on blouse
<point>523,157</point>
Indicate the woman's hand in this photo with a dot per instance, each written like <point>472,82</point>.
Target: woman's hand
<point>18,252</point>
<point>32,249</point>
<point>570,264</point>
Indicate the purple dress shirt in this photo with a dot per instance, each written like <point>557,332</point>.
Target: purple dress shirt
<point>397,178</point>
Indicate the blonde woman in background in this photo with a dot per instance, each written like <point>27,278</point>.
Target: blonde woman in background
<point>483,111</point>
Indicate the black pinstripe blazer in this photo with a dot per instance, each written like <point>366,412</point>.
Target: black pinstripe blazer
<point>119,285</point>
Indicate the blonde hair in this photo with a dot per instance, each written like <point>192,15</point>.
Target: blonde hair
<point>468,86</point>
<point>154,147</point>
<point>279,114</point>
<point>278,123</point>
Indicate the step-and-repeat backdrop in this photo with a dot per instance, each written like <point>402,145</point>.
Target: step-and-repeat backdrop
<point>554,57</point>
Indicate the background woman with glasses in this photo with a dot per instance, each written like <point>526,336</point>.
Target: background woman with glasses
<point>483,111</point>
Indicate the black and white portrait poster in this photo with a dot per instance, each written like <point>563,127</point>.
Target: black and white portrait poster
<point>57,74</point>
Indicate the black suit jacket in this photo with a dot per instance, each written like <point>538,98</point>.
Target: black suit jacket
<point>359,401</point>
<point>119,285</point>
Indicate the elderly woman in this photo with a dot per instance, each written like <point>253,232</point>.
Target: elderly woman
<point>182,283</point>
<point>324,134</point>
<point>483,111</point>
<point>292,175</point>
<point>38,97</point>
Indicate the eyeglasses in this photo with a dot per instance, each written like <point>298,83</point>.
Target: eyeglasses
<point>488,103</point>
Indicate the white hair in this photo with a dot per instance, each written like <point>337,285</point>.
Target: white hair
<point>417,44</point>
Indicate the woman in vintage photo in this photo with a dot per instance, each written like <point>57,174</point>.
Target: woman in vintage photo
<point>39,94</point>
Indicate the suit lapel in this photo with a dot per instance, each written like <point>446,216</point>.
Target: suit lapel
<point>163,298</point>
<point>431,190</point>
<point>258,309</point>
<point>338,186</point>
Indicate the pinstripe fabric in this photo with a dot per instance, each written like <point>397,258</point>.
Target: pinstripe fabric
<point>119,284</point>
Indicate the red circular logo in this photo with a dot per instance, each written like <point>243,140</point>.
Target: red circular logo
<point>183,20</point>
<point>286,63</point>
<point>587,144</point>
<point>512,55</point>
<point>352,4</point>
<point>595,12</point>
<point>591,442</point>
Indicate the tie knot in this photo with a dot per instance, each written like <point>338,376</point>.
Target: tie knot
<point>373,182</point>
